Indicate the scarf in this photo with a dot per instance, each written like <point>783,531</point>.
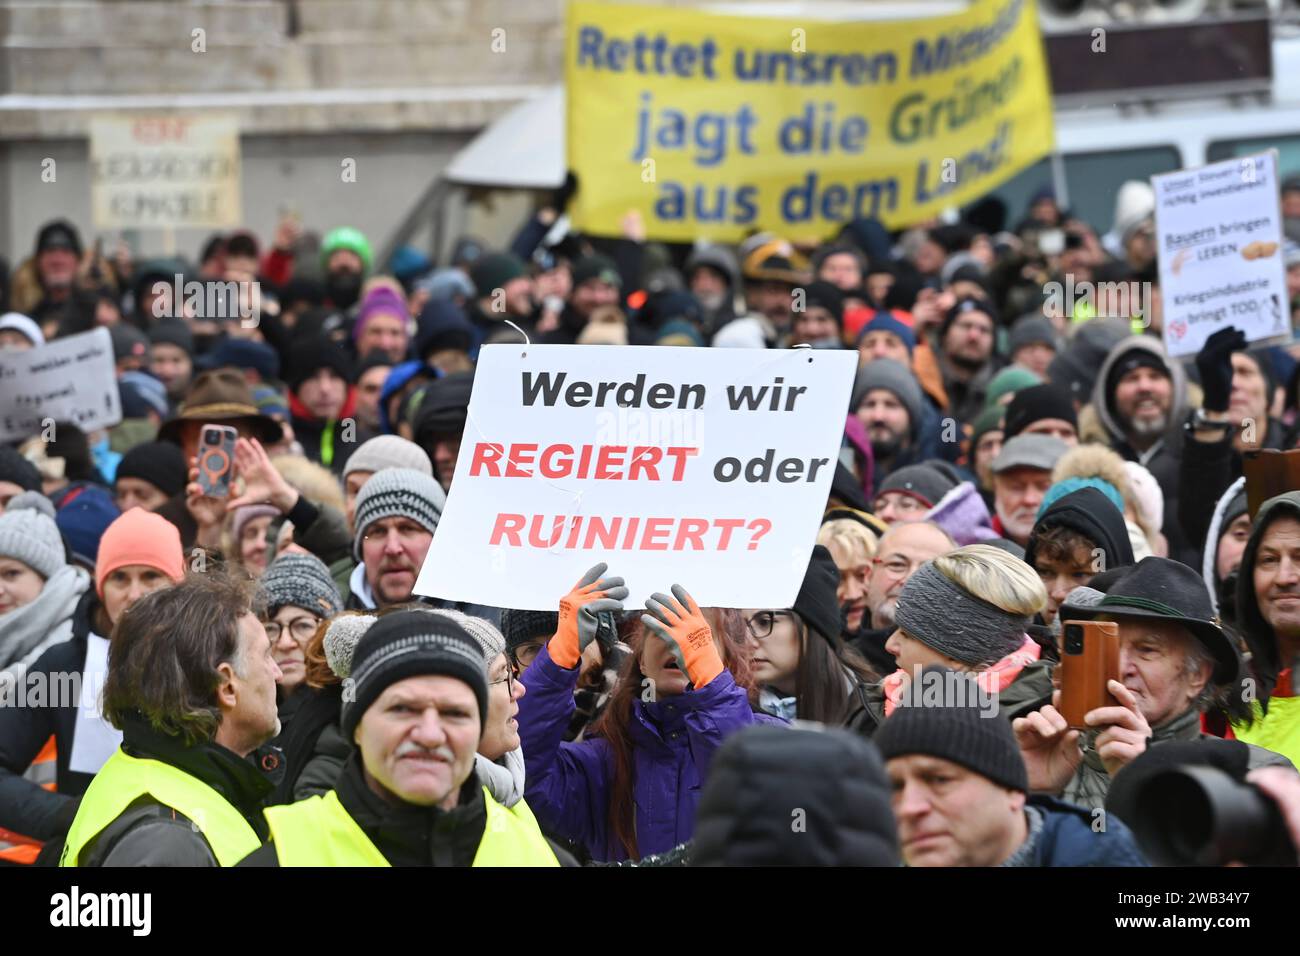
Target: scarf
<point>504,778</point>
<point>27,632</point>
<point>994,680</point>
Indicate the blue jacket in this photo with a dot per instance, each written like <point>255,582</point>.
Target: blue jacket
<point>1068,837</point>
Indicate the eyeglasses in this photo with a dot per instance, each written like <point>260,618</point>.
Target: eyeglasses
<point>508,680</point>
<point>761,624</point>
<point>301,629</point>
<point>524,655</point>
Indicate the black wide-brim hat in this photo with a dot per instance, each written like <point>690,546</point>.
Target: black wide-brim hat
<point>1166,590</point>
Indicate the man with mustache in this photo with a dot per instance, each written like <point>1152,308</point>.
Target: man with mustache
<point>409,795</point>
<point>397,511</point>
<point>1140,398</point>
<point>1022,473</point>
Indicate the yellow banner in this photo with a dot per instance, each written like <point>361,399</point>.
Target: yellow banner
<point>715,126</point>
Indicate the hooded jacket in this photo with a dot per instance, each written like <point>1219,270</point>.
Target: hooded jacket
<point>1091,514</point>
<point>1210,553</point>
<point>1067,836</point>
<point>673,742</point>
<point>1162,459</point>
<point>1277,722</point>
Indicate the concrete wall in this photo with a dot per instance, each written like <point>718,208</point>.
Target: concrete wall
<point>302,171</point>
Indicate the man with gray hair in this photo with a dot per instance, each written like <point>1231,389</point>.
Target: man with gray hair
<point>1174,662</point>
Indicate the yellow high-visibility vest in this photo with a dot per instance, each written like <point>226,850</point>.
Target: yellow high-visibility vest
<point>318,831</point>
<point>124,779</point>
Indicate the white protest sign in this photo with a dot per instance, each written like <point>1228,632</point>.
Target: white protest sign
<point>1219,242</point>
<point>708,468</point>
<point>67,380</point>
<point>165,172</point>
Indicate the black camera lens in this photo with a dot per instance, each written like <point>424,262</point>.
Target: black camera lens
<point>1073,639</point>
<point>1200,816</point>
<point>214,438</point>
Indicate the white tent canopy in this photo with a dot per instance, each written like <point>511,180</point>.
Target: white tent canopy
<point>523,149</point>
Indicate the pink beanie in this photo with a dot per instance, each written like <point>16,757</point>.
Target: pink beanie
<point>139,537</point>
<point>380,301</point>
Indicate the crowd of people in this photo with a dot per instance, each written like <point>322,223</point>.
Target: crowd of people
<point>190,679</point>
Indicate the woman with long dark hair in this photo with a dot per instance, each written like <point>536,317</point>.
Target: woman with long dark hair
<point>805,668</point>
<point>630,788</point>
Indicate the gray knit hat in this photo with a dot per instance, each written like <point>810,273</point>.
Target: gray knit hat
<point>893,377</point>
<point>923,482</point>
<point>28,534</point>
<point>340,641</point>
<point>490,640</point>
<point>398,492</point>
<point>1032,328</point>
<point>388,451</point>
<point>300,580</point>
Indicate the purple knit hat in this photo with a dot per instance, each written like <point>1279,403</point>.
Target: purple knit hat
<point>380,301</point>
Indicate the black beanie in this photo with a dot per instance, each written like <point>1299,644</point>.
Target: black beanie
<point>961,732</point>
<point>1036,403</point>
<point>160,463</point>
<point>313,354</point>
<point>817,603</point>
<point>520,627</point>
<point>173,332</point>
<point>411,644</point>
<point>827,296</point>
<point>968,304</point>
<point>18,470</point>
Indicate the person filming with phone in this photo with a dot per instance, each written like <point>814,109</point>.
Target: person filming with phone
<point>1173,661</point>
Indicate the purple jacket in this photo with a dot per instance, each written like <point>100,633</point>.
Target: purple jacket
<point>568,784</point>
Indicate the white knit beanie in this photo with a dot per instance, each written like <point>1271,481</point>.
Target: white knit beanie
<point>490,640</point>
<point>28,534</point>
<point>388,451</point>
<point>341,639</point>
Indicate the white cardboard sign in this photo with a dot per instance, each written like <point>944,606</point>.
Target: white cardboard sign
<point>708,468</point>
<point>70,380</point>
<point>1219,240</point>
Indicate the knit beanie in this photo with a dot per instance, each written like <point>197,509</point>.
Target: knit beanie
<point>1030,330</point>
<point>968,304</point>
<point>494,270</point>
<point>490,640</point>
<point>397,492</point>
<point>353,240</point>
<point>1036,403</point>
<point>28,534</point>
<point>1067,486</point>
<point>596,267</point>
<point>23,325</point>
<point>412,644</point>
<point>388,451</point>
<point>16,469</point>
<point>173,332</point>
<point>925,483</point>
<point>247,513</point>
<point>381,300</point>
<point>445,407</point>
<point>160,463</point>
<point>313,354</point>
<point>83,517</point>
<point>140,537</point>
<point>886,321</point>
<point>826,296</point>
<point>988,420</point>
<point>944,616</point>
<point>300,580</point>
<point>954,730</point>
<point>141,394</point>
<point>817,603</point>
<point>1009,381</point>
<point>520,627</point>
<point>893,377</point>
<point>341,638</point>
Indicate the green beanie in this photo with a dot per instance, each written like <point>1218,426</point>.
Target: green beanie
<point>353,240</point>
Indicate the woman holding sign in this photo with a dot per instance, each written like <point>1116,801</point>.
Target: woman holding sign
<point>630,789</point>
<point>800,659</point>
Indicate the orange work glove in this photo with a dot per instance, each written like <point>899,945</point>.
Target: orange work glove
<point>681,626</point>
<point>578,610</point>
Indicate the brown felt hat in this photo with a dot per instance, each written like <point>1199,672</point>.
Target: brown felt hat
<point>222,397</point>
